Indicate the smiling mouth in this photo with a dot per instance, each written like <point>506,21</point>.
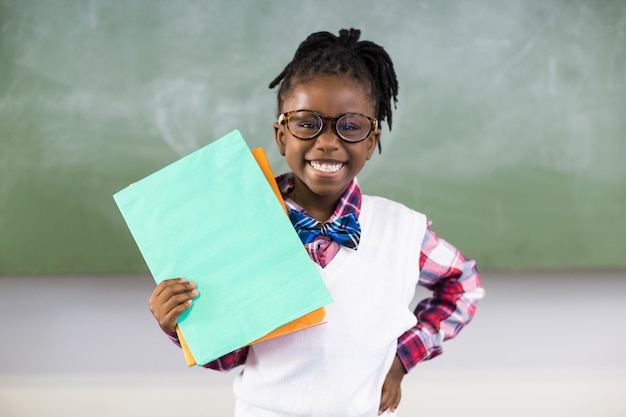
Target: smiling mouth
<point>326,166</point>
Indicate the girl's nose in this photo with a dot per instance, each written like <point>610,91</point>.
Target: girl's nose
<point>328,138</point>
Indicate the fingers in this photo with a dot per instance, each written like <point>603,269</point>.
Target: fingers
<point>389,401</point>
<point>390,397</point>
<point>175,293</point>
<point>175,284</point>
<point>170,299</point>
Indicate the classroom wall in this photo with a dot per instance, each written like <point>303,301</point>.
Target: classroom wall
<point>509,133</point>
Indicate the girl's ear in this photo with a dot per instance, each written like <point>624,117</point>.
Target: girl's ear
<point>372,143</point>
<point>279,135</point>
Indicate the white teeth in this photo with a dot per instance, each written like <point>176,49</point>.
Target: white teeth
<point>326,167</point>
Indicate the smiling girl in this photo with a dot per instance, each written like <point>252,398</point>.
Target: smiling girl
<point>371,252</point>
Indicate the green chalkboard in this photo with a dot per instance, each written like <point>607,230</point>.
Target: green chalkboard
<point>510,132</point>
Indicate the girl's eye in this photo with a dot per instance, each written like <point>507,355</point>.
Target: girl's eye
<point>348,126</point>
<point>352,124</point>
<point>308,125</point>
<point>305,121</point>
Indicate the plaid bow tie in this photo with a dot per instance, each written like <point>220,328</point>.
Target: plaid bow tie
<point>345,230</point>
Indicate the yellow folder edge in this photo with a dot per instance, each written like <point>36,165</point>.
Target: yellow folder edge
<point>313,318</point>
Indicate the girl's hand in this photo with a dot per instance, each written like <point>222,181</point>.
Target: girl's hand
<point>169,300</point>
<point>391,394</point>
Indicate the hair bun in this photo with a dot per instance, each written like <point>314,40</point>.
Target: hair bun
<point>349,38</point>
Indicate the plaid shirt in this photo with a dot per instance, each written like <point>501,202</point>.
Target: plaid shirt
<point>454,281</point>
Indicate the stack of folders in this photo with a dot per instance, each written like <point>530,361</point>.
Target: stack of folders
<point>214,218</point>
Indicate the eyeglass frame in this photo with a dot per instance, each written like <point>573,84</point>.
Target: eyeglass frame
<point>284,119</point>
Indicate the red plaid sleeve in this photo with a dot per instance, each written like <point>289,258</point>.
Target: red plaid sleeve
<point>456,288</point>
<point>229,361</point>
<point>224,363</point>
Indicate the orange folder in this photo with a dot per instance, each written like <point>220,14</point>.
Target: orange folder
<point>311,319</point>
<point>261,159</point>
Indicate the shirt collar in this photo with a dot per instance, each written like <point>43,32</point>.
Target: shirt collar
<point>350,201</point>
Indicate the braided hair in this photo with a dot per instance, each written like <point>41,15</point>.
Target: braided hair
<point>323,53</point>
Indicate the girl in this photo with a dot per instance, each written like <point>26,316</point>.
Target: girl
<point>370,252</point>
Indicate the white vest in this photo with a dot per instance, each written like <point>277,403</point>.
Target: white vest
<point>338,368</point>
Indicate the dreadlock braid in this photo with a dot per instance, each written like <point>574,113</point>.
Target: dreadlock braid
<point>323,53</point>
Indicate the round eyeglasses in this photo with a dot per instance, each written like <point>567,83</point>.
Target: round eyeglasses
<point>307,124</point>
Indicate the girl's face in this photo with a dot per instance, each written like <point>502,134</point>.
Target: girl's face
<point>325,165</point>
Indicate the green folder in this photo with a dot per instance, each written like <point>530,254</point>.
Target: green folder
<point>213,218</point>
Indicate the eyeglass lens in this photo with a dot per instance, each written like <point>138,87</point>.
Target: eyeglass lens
<point>351,127</point>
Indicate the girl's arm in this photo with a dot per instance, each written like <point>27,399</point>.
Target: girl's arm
<point>456,288</point>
